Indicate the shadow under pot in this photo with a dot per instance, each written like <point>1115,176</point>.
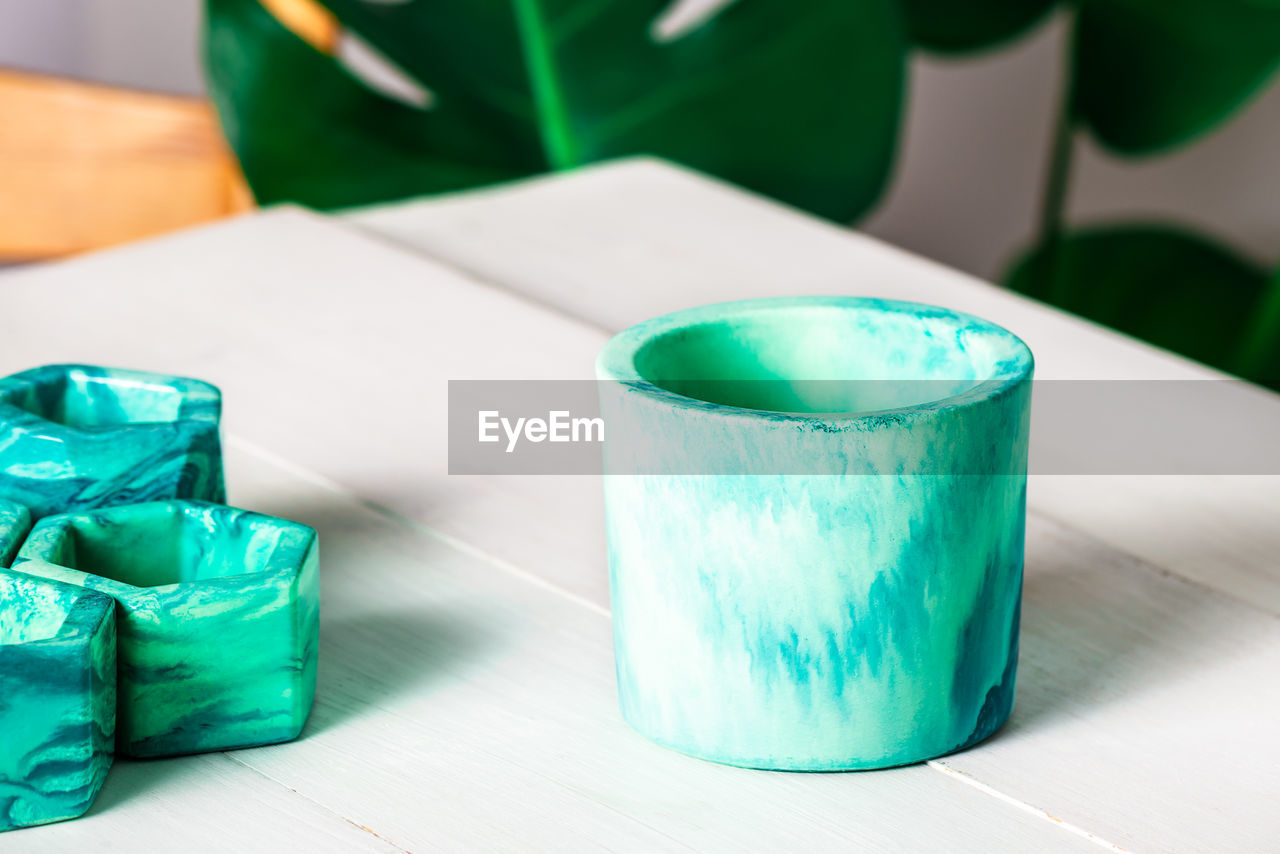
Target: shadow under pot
<point>57,698</point>
<point>815,513</point>
<point>218,618</point>
<point>78,437</point>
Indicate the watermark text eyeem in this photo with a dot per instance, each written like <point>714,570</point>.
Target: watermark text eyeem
<point>558,426</point>
<point>1077,427</point>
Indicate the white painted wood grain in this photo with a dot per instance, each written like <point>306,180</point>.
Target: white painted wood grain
<point>462,708</point>
<point>1145,706</point>
<point>1144,713</point>
<point>1222,531</point>
<point>322,339</point>
<point>335,350</point>
<point>617,243</point>
<point>198,803</point>
<point>620,242</point>
<point>1147,702</point>
<point>518,746</point>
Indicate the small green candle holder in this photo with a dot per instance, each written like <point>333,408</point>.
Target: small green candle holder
<point>218,613</point>
<point>15,521</point>
<point>77,437</point>
<point>57,696</point>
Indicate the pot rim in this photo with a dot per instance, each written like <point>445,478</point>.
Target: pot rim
<point>617,360</point>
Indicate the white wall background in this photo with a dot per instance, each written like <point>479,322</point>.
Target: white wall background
<point>147,44</point>
<point>976,148</point>
<point>976,138</point>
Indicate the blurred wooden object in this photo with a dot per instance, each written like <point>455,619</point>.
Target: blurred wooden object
<point>308,20</point>
<point>84,166</point>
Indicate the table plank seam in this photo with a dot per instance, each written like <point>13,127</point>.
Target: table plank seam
<point>478,277</point>
<point>1142,564</point>
<point>359,220</point>
<point>318,804</point>
<point>598,802</point>
<point>455,543</point>
<point>969,780</point>
<point>1144,707</point>
<point>511,569</point>
<point>475,277</point>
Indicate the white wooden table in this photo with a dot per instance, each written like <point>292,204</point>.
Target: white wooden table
<point>466,687</point>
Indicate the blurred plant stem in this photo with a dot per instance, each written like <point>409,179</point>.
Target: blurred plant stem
<point>1259,352</point>
<point>1053,209</point>
<point>553,124</point>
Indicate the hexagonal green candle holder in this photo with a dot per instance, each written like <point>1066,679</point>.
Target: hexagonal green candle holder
<point>15,521</point>
<point>57,697</point>
<point>77,437</point>
<point>218,613</point>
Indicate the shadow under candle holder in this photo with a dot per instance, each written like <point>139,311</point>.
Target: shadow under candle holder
<point>375,654</point>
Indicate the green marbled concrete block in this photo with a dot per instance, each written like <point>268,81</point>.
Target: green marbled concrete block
<point>218,618</point>
<point>15,522</point>
<point>57,698</point>
<point>825,572</point>
<point>77,437</point>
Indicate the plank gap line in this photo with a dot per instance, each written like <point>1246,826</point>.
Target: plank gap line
<point>967,780</point>
<point>509,568</point>
<point>318,804</point>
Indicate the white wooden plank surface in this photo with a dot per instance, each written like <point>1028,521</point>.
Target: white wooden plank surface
<point>624,241</point>
<point>617,243</point>
<point>1147,703</point>
<point>461,708</point>
<point>1124,670</point>
<point>336,350</point>
<point>322,339</point>
<point>1222,531</point>
<point>199,803</point>
<point>465,702</point>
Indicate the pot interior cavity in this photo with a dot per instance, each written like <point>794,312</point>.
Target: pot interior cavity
<point>828,358</point>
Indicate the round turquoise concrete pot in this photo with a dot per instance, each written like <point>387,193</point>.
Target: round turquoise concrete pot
<point>825,573</point>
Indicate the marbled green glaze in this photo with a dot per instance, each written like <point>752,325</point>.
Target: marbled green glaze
<point>76,437</point>
<point>15,522</point>
<point>218,618</point>
<point>861,618</point>
<point>57,698</point>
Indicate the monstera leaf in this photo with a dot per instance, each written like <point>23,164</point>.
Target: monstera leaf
<point>1260,345</point>
<point>1151,74</point>
<point>800,103</point>
<point>955,25</point>
<point>1170,287</point>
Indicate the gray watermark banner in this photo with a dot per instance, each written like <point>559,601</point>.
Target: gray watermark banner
<point>828,427</point>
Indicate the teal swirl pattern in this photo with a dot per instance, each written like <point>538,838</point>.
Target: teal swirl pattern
<point>15,521</point>
<point>76,437</point>
<point>218,618</point>
<point>57,707</point>
<point>842,590</point>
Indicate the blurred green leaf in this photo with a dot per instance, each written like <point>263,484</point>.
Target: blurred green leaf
<point>1260,345</point>
<point>1170,287</point>
<point>956,25</point>
<point>305,130</point>
<point>1151,74</point>
<point>521,86</point>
